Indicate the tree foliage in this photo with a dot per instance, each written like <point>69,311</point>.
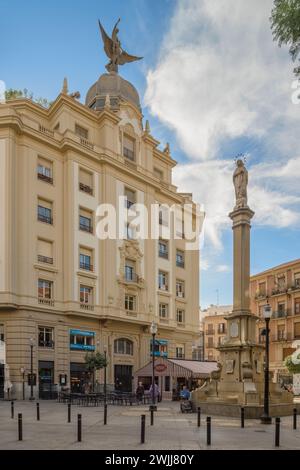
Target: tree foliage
<point>95,361</point>
<point>291,367</point>
<point>285,25</point>
<point>12,94</point>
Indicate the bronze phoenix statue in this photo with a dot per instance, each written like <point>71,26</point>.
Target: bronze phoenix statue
<point>113,49</point>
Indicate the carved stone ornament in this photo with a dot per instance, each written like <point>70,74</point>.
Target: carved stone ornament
<point>229,366</point>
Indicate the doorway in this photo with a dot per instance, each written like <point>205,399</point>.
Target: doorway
<point>47,390</point>
<point>123,378</point>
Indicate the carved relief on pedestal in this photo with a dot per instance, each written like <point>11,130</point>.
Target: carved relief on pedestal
<point>229,366</point>
<point>247,372</point>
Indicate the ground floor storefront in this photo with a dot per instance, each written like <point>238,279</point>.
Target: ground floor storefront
<point>53,347</point>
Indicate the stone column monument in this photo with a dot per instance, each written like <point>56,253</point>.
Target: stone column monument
<point>239,380</point>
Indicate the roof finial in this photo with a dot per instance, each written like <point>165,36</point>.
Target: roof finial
<point>167,148</point>
<point>107,102</point>
<point>147,127</point>
<point>65,86</point>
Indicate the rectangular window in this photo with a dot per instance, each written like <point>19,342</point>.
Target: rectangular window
<point>128,147</point>
<point>262,288</point>
<point>85,259</point>
<point>180,352</point>
<point>180,259</point>
<point>297,280</point>
<point>46,336</point>
<point>221,328</point>
<point>86,295</point>
<point>85,181</point>
<point>163,310</point>
<point>180,315</point>
<point>164,215</point>
<point>81,131</point>
<point>45,251</point>
<point>130,197</point>
<point>210,329</point>
<point>1,332</point>
<point>163,249</point>
<point>281,282</point>
<point>281,309</point>
<point>162,280</point>
<point>44,211</point>
<point>179,289</point>
<point>297,330</point>
<point>130,274</point>
<point>85,221</point>
<point>297,306</point>
<point>210,342</point>
<point>44,170</point>
<point>130,302</point>
<point>280,332</point>
<point>82,340</point>
<point>45,289</point>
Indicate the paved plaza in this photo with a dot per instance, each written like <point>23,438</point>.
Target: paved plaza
<point>172,430</point>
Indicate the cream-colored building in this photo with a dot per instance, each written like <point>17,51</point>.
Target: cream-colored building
<point>61,285</point>
<point>214,327</point>
<point>280,287</point>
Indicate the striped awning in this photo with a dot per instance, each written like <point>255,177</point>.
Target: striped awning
<point>178,368</point>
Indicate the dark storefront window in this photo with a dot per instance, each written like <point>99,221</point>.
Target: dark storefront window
<point>123,378</point>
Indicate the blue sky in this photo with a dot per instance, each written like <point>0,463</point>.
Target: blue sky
<point>212,83</point>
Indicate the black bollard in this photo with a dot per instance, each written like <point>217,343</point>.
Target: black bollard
<point>295,418</point>
<point>20,427</point>
<point>79,423</point>
<point>152,417</point>
<point>242,417</point>
<point>12,410</point>
<point>37,411</point>
<point>105,413</point>
<point>208,430</point>
<point>199,417</point>
<point>143,424</point>
<point>69,412</point>
<point>277,432</point>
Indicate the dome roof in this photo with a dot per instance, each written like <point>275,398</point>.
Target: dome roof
<point>116,87</point>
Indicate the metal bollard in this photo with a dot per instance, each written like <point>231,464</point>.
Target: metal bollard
<point>295,418</point>
<point>152,417</point>
<point>69,412</point>
<point>242,417</point>
<point>277,432</point>
<point>79,423</point>
<point>37,411</point>
<point>20,427</point>
<point>12,410</point>
<point>105,413</point>
<point>143,424</point>
<point>208,430</point>
<point>199,417</point>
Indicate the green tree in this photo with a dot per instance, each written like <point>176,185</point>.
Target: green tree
<point>12,94</point>
<point>93,362</point>
<point>285,25</point>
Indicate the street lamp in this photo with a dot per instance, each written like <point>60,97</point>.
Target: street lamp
<point>265,418</point>
<point>153,331</point>
<point>22,370</point>
<point>31,369</point>
<point>105,378</point>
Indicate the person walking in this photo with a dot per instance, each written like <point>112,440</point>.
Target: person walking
<point>140,392</point>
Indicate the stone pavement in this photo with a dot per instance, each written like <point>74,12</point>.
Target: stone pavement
<point>172,430</point>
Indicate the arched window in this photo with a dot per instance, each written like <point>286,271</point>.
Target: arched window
<point>123,346</point>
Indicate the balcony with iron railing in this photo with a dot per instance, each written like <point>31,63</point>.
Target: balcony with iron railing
<point>163,254</point>
<point>86,227</point>
<point>45,259</point>
<point>86,266</point>
<point>86,306</point>
<point>46,301</point>
<point>180,294</point>
<point>209,345</point>
<point>131,277</point>
<point>45,218</point>
<point>282,336</point>
<point>86,189</point>
<point>210,331</point>
<point>282,313</point>
<point>279,290</point>
<point>43,177</point>
<point>180,264</point>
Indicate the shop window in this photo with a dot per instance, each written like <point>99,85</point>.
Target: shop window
<point>82,340</point>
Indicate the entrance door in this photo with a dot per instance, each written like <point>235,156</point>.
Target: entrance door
<point>78,377</point>
<point>47,391</point>
<point>1,381</point>
<point>123,378</point>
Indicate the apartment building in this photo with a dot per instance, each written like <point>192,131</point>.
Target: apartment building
<point>214,329</point>
<point>280,287</point>
<point>63,290</point>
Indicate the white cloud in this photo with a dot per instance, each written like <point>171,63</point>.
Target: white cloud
<point>220,78</point>
<point>223,268</point>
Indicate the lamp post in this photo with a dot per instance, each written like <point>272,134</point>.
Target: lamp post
<point>31,369</point>
<point>105,376</point>
<point>22,370</point>
<point>153,331</point>
<point>265,418</point>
